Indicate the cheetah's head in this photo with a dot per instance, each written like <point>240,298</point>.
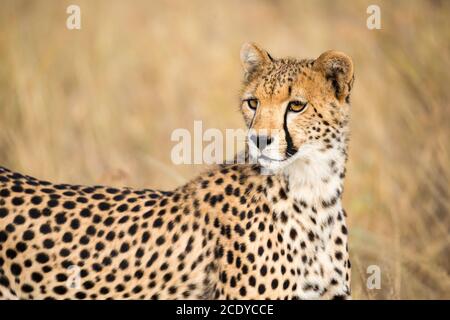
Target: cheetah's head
<point>292,106</point>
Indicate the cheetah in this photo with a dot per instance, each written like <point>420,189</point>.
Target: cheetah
<point>273,228</point>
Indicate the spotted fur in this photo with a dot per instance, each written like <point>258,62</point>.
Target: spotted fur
<point>233,232</point>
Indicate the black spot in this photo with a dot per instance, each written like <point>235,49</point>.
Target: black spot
<point>229,190</point>
<point>42,257</point>
<point>104,206</point>
<point>146,237</point>
<point>99,246</point>
<point>263,270</point>
<point>122,207</point>
<point>52,203</point>
<point>160,240</point>
<point>82,200</point>
<point>152,259</point>
<point>21,246</point>
<point>34,213</point>
<point>45,229</point>
<point>98,196</point>
<point>3,280</point>
<point>213,200</point>
<point>120,288</point>
<point>69,205</point>
<point>27,288</point>
<point>80,295</point>
<point>64,252</point>
<point>91,230</point>
<point>108,221</point>
<point>3,236</point>
<point>4,193</point>
<point>97,267</point>
<point>123,264</point>
<point>293,234</point>
<point>104,290</point>
<point>3,212</point>
<point>124,219</point>
<point>158,223</point>
<point>19,220</point>
<point>110,236</point>
<point>233,282</point>
<point>75,224</point>
<point>282,194</point>
<point>85,213</point>
<point>16,269</point>
<point>67,237</point>
<point>261,289</point>
<point>274,284</point>
<point>28,235</point>
<point>60,290</point>
<point>48,243</point>
<point>97,218</point>
<point>110,278</point>
<point>133,229</point>
<point>225,207</point>
<point>137,289</point>
<point>60,218</point>
<point>61,277</point>
<point>252,281</point>
<point>84,240</point>
<point>11,254</point>
<point>17,201</point>
<point>36,277</point>
<point>124,247</point>
<point>84,254</point>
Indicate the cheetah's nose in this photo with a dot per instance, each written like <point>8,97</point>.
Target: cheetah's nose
<point>260,141</point>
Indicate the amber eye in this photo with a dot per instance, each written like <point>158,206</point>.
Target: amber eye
<point>297,106</point>
<point>252,103</point>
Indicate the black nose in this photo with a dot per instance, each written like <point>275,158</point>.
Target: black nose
<point>261,141</point>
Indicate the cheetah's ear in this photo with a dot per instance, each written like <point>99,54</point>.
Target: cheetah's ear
<point>337,68</point>
<point>253,57</point>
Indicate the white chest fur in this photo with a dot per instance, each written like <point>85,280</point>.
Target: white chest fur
<point>314,222</point>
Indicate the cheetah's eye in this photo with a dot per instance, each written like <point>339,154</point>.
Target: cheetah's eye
<point>297,106</point>
<point>252,103</point>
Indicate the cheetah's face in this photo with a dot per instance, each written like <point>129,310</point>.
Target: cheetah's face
<point>289,104</point>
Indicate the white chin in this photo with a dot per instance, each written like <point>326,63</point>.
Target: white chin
<point>272,165</point>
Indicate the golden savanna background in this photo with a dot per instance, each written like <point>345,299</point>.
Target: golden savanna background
<point>98,106</point>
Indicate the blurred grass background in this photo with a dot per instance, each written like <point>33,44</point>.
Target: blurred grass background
<point>98,106</point>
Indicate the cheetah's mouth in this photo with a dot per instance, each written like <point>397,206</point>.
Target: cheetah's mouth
<point>272,163</point>
<point>264,157</point>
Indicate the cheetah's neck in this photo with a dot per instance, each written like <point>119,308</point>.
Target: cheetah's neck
<point>317,176</point>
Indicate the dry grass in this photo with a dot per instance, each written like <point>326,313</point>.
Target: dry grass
<point>99,105</point>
